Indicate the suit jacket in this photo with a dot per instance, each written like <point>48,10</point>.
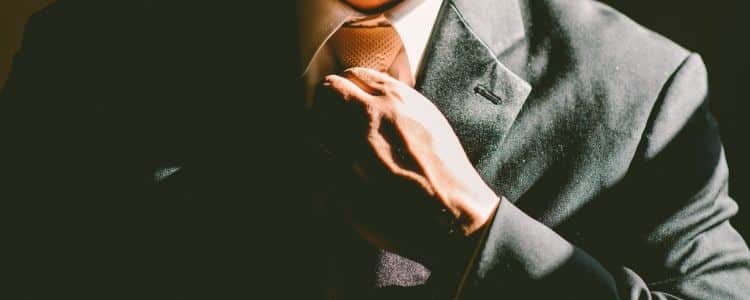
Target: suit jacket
<point>158,149</point>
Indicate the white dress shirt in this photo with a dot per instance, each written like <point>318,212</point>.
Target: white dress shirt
<point>319,19</point>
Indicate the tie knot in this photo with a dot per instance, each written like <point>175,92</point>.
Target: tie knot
<point>372,43</point>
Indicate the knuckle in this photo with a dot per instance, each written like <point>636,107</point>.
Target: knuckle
<point>396,95</point>
<point>349,71</point>
<point>392,107</point>
<point>357,72</point>
<point>390,85</point>
<point>373,112</point>
<point>373,137</point>
<point>348,97</point>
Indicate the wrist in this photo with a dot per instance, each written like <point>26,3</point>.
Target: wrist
<point>460,256</point>
<point>472,213</point>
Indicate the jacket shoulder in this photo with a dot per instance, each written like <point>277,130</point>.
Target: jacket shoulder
<point>605,47</point>
<point>612,68</point>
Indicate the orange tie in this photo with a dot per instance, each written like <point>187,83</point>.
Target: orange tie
<point>372,43</point>
<point>375,44</point>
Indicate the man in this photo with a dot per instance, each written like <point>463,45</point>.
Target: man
<point>473,149</point>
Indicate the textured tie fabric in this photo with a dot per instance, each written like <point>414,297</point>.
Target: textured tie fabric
<point>373,47</point>
<point>372,43</point>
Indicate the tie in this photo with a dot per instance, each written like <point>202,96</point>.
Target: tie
<point>372,43</point>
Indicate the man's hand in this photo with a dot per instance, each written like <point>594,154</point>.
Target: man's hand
<point>409,141</point>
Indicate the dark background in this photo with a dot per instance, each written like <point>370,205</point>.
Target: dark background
<point>13,16</point>
<point>718,30</point>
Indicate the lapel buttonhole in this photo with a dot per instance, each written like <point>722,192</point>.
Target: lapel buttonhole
<point>487,94</point>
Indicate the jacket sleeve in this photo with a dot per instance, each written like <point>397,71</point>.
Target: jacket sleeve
<point>676,241</point>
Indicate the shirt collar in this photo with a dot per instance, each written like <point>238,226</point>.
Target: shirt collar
<point>319,19</point>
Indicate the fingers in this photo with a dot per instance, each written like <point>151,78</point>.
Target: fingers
<point>346,89</point>
<point>369,76</point>
<point>372,81</point>
<point>365,79</point>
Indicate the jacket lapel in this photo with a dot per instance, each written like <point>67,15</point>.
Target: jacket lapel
<point>461,74</point>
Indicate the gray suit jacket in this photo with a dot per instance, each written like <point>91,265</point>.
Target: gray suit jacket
<point>160,140</point>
